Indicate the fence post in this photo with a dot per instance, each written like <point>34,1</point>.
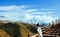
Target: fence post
<point>55,33</point>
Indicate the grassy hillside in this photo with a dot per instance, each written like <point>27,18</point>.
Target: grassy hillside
<point>4,34</point>
<point>24,30</point>
<point>15,29</point>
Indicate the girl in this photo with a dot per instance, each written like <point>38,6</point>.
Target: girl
<point>39,30</point>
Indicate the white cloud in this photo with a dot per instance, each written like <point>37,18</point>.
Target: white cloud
<point>40,13</point>
<point>45,9</point>
<point>31,10</point>
<point>11,7</point>
<point>25,14</point>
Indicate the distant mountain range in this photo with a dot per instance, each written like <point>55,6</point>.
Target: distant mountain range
<point>32,20</point>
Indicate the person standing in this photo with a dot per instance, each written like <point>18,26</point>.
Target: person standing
<point>39,30</point>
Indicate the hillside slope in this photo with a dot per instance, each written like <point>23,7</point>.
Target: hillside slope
<point>4,34</point>
<point>24,30</point>
<point>14,30</point>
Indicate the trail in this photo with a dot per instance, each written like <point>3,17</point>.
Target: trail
<point>49,32</point>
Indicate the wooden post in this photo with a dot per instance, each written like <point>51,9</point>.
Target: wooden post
<point>55,33</point>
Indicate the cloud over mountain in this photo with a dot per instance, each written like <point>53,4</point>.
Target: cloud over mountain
<point>26,14</point>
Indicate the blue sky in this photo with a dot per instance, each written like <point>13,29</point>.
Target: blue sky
<point>31,11</point>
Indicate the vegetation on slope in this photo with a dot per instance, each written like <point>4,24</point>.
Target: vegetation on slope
<point>16,29</point>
